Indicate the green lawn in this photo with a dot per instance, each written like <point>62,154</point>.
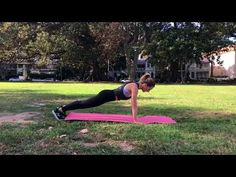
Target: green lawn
<point>205,115</point>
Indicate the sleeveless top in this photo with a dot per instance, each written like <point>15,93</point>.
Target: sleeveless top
<point>122,93</point>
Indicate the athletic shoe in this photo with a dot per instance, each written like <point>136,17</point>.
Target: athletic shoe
<point>58,114</point>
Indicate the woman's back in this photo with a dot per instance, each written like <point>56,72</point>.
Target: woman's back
<point>123,92</point>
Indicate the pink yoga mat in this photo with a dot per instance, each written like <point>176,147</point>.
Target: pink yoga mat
<point>118,118</point>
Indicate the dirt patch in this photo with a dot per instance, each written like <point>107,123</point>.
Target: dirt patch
<point>37,105</point>
<point>123,145</point>
<point>3,148</point>
<point>98,139</point>
<point>25,117</point>
<point>90,145</point>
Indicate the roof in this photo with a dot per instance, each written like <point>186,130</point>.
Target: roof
<point>229,48</point>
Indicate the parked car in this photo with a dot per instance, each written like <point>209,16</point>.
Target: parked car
<point>16,79</point>
<point>44,80</point>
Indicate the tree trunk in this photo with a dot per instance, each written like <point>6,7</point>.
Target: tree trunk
<point>186,74</point>
<point>25,73</point>
<point>173,72</point>
<point>181,73</point>
<point>211,69</point>
<point>95,74</point>
<point>134,67</point>
<point>128,63</point>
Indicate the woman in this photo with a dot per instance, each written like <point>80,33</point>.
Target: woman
<point>124,92</point>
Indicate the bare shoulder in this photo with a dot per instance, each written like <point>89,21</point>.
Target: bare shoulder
<point>132,86</point>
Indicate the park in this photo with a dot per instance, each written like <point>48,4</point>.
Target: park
<point>45,65</point>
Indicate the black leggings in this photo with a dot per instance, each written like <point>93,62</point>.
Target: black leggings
<point>99,99</point>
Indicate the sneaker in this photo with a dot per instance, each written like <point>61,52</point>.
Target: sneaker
<point>58,114</point>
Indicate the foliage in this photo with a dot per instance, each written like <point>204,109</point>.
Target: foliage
<point>84,49</point>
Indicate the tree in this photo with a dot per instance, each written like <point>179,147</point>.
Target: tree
<point>14,38</point>
<point>138,36</point>
<point>183,43</point>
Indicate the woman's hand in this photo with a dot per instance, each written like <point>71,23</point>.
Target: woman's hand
<point>136,121</point>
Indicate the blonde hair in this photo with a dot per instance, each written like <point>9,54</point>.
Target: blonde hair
<point>146,78</point>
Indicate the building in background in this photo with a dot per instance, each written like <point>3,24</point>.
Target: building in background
<point>227,68</point>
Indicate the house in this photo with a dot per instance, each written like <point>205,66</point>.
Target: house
<point>200,72</point>
<point>7,70</point>
<point>26,69</point>
<point>226,69</point>
<point>145,67</point>
<point>119,71</point>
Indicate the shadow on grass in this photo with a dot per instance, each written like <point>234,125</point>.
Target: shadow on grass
<point>22,99</point>
<point>47,92</point>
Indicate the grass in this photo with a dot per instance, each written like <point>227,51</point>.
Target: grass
<point>205,115</point>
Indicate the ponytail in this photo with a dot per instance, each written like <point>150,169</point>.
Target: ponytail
<point>144,77</point>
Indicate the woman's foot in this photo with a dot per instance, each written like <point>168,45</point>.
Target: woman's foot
<point>59,114</point>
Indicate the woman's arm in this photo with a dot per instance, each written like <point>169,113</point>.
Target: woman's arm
<point>134,107</point>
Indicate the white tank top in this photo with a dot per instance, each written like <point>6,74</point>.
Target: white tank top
<point>126,92</point>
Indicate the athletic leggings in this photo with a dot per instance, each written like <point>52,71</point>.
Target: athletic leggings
<point>99,99</point>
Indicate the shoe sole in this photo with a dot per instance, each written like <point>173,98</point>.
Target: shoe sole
<point>55,116</point>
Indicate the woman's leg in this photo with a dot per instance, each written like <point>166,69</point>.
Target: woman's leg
<point>99,99</point>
